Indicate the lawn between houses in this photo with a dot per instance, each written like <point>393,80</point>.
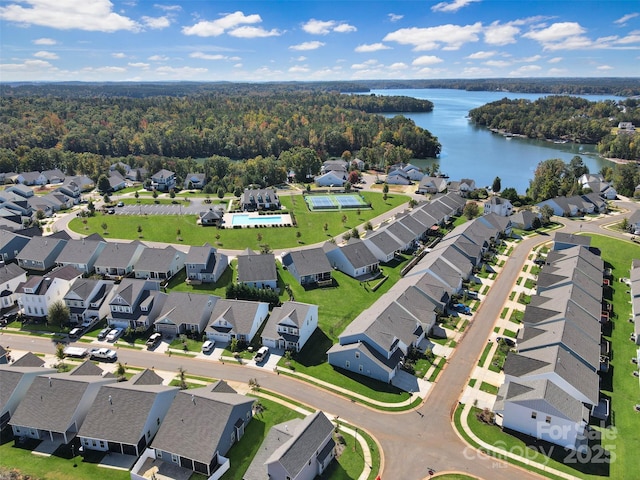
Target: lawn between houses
<point>310,226</point>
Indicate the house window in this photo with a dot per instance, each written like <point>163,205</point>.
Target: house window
<point>174,458</point>
<point>360,368</point>
<point>357,354</point>
<point>101,444</point>
<point>534,415</point>
<point>158,420</point>
<point>158,454</point>
<point>347,364</point>
<point>547,419</point>
<point>233,436</point>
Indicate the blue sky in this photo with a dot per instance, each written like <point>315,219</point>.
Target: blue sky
<point>257,41</point>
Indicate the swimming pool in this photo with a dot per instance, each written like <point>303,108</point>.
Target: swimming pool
<point>244,220</point>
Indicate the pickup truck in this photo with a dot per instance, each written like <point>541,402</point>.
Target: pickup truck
<point>77,352</point>
<point>104,354</point>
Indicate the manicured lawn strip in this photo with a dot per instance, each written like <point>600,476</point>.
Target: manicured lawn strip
<point>472,382</point>
<point>488,388</point>
<point>178,284</point>
<point>624,388</point>
<point>485,352</point>
<point>59,466</point>
<point>509,333</point>
<point>192,345</point>
<point>503,314</point>
<point>522,444</point>
<point>154,201</point>
<point>439,363</point>
<point>516,316</point>
<point>163,228</point>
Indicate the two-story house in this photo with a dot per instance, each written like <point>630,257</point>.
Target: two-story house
<point>205,264</point>
<point>135,304</point>
<point>41,253</point>
<point>185,312</point>
<point>239,319</point>
<point>498,205</point>
<point>290,326</point>
<point>159,263</point>
<point>163,180</point>
<point>38,293</point>
<point>82,253</point>
<point>259,199</point>
<point>117,259</point>
<point>88,298</point>
<point>11,275</point>
<point>257,270</point>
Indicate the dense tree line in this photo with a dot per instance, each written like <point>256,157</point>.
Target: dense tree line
<point>235,126</point>
<point>564,118</point>
<point>240,291</point>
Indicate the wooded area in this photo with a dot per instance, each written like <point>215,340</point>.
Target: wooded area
<point>566,118</point>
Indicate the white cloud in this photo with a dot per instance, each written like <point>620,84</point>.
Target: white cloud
<point>500,34</point>
<point>307,45</point>
<point>481,55</point>
<point>253,32</point>
<point>88,15</point>
<point>476,72</point>
<point>324,27</point>
<point>301,58</point>
<point>426,60</point>
<point>633,37</point>
<point>168,8</point>
<point>555,60</point>
<point>26,66</point>
<point>526,70</point>
<point>452,6</point>
<point>394,18</point>
<point>372,47</point>
<point>158,58</point>
<point>215,28</point>
<point>557,71</point>
<point>368,64</point>
<point>625,18</point>
<point>398,66</point>
<point>560,36</point>
<point>180,72</point>
<point>46,55</point>
<point>207,56</point>
<point>156,23</point>
<point>604,67</point>
<point>139,65</point>
<point>105,69</point>
<point>299,69</point>
<point>533,58</point>
<point>118,55</point>
<point>44,41</point>
<point>449,37</point>
<point>497,63</point>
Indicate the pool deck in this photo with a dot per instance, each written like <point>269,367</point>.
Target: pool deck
<point>227,220</point>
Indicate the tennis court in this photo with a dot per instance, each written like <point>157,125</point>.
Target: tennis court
<point>335,202</point>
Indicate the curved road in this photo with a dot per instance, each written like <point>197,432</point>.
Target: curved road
<point>413,442</point>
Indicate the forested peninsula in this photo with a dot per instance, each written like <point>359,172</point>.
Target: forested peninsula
<point>566,118</point>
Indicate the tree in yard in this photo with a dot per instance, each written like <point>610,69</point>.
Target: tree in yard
<point>368,226</point>
<point>120,372</point>
<point>510,194</point>
<point>624,224</point>
<point>536,223</point>
<point>433,169</point>
<point>298,235</point>
<point>155,193</point>
<point>346,236</point>
<point>182,381</point>
<point>354,177</point>
<point>60,351</point>
<point>546,212</point>
<point>137,195</point>
<point>471,210</point>
<point>40,214</point>
<point>347,187</point>
<point>91,208</point>
<point>139,229</point>
<point>265,249</point>
<point>104,227</point>
<point>233,346</point>
<point>106,198</point>
<point>355,233</point>
<point>103,184</point>
<point>237,192</point>
<point>385,189</point>
<point>221,192</point>
<point>259,237</point>
<point>325,227</point>
<point>497,185</point>
<point>58,313</point>
<point>344,218</point>
<point>346,156</point>
<point>172,193</point>
<point>308,188</point>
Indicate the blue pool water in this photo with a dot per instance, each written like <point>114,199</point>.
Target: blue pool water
<point>261,220</point>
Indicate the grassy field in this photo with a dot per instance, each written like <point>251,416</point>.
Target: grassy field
<point>311,226</point>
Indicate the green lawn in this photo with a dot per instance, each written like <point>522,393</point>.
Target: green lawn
<point>163,228</point>
<point>487,387</point>
<point>485,352</point>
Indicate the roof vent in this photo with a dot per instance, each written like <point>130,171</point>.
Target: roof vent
<point>49,381</point>
<point>193,399</point>
<point>110,400</point>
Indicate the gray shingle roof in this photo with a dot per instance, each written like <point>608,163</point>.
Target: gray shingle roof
<point>80,251</point>
<point>186,308</point>
<point>196,420</point>
<point>358,254</point>
<point>239,313</point>
<point>9,271</point>
<point>571,239</point>
<point>157,259</point>
<point>39,248</point>
<point>86,368</point>
<point>385,242</point>
<point>146,377</point>
<point>117,254</point>
<point>308,261</point>
<point>28,360</point>
<point>254,267</point>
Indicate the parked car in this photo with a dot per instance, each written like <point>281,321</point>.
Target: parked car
<point>103,354</point>
<point>462,308</point>
<point>153,340</point>
<point>120,204</point>
<point>508,341</point>
<point>75,332</point>
<point>261,354</point>
<point>113,335</point>
<point>102,334</point>
<point>208,346</point>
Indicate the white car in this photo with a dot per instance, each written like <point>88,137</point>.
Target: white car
<point>208,346</point>
<point>261,354</point>
<point>105,354</point>
<point>113,335</point>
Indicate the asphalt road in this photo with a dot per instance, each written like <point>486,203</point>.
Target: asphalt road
<point>413,442</point>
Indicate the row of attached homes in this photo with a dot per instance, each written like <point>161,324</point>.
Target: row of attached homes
<point>158,424</point>
<point>552,384</point>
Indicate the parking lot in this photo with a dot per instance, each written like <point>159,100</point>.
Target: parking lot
<point>192,208</point>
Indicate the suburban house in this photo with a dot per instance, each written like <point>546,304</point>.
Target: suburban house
<point>212,217</point>
<point>332,178</point>
<point>83,253</point>
<point>634,278</point>
<point>38,293</point>
<point>159,263</point>
<point>334,165</point>
<point>634,222</point>
<point>72,190</point>
<point>597,184</point>
<point>195,181</point>
<point>135,304</point>
<point>523,219</point>
<point>463,187</point>
<point>11,275</point>
<point>200,428</point>
<point>308,266</point>
<point>626,128</point>
<point>88,298</point>
<point>498,205</point>
<point>383,245</point>
<point>431,185</point>
<point>125,416</point>
<point>116,181</point>
<point>257,270</point>
<point>117,259</point>
<point>163,180</point>
<point>259,199</point>
<point>299,449</point>
<point>205,264</point>
<point>31,178</point>
<point>55,406</point>
<point>353,259</point>
<point>19,189</point>
<point>562,241</point>
<point>28,360</point>
<point>239,319</point>
<point>41,253</point>
<point>15,382</point>
<point>551,381</point>
<point>185,312</point>
<point>54,176</point>
<point>398,177</point>
<point>290,326</point>
<point>405,237</point>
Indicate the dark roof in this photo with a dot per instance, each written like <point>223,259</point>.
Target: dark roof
<point>39,248</point>
<point>358,254</point>
<point>157,259</point>
<point>146,377</point>
<point>118,254</point>
<point>28,360</point>
<point>254,267</point>
<point>9,271</point>
<point>79,251</point>
<point>383,241</point>
<point>308,261</point>
<point>86,368</point>
<point>571,239</point>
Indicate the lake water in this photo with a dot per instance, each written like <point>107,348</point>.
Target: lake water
<point>474,152</point>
